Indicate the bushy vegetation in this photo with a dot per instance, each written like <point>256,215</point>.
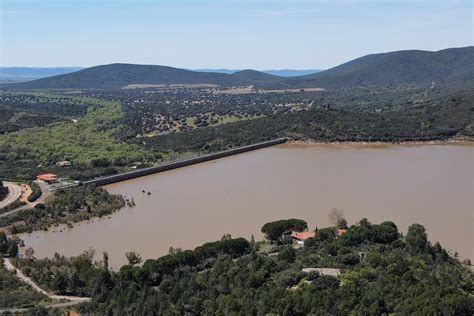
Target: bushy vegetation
<point>8,246</point>
<point>35,191</point>
<point>380,272</point>
<point>26,153</point>
<point>14,293</point>
<point>23,110</point>
<point>3,191</point>
<point>450,116</point>
<point>64,207</point>
<point>75,276</point>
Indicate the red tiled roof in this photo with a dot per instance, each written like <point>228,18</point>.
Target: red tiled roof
<point>302,235</point>
<point>341,232</point>
<point>47,177</point>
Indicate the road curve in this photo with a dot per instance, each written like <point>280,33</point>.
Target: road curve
<point>14,194</point>
<point>45,190</point>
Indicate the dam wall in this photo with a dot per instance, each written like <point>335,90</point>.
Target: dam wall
<point>181,163</point>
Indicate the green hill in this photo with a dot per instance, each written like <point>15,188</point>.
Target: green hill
<point>116,76</point>
<point>446,67</point>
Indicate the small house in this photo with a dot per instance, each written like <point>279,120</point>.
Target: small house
<point>47,177</point>
<point>300,237</point>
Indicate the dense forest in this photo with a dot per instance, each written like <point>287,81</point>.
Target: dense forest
<point>371,269</point>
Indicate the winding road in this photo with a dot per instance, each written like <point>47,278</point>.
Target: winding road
<point>45,189</point>
<point>14,194</point>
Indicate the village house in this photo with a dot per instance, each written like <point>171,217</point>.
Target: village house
<point>47,177</point>
<point>299,237</point>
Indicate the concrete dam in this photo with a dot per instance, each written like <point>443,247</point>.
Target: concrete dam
<point>181,163</point>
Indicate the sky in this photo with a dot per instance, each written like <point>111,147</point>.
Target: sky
<point>258,34</point>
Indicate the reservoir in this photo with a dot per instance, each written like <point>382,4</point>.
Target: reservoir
<point>427,184</point>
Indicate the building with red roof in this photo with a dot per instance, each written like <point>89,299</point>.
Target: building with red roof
<point>300,237</point>
<point>47,177</point>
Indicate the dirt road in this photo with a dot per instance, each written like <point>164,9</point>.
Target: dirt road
<point>72,300</point>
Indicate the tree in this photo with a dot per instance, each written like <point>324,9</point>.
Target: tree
<point>105,259</point>
<point>3,242</point>
<point>12,248</point>
<point>341,223</point>
<point>60,283</point>
<point>133,257</point>
<point>275,231</point>
<point>336,218</point>
<point>30,253</point>
<point>3,191</point>
<point>416,239</point>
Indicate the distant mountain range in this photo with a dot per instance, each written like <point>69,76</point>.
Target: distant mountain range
<point>31,73</point>
<point>412,67</point>
<point>276,72</point>
<point>15,74</point>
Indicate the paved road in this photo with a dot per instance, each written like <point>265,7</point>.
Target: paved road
<point>13,194</point>
<point>72,300</point>
<point>45,189</point>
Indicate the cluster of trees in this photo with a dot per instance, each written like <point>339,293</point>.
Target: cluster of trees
<point>382,272</point>
<point>14,293</point>
<point>23,110</point>
<point>177,110</point>
<point>278,231</point>
<point>67,206</point>
<point>3,191</point>
<point>184,109</point>
<point>8,246</point>
<point>92,138</point>
<point>453,116</point>
<point>77,276</point>
<point>35,191</point>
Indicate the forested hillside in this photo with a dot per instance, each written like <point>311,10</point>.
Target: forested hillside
<point>450,116</point>
<point>446,67</point>
<point>371,269</point>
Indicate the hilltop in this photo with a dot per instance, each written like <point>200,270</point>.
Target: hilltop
<point>453,65</point>
<point>116,76</point>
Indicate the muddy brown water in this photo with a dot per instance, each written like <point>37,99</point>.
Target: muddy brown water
<point>428,184</point>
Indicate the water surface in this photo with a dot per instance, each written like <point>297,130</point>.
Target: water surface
<point>429,184</point>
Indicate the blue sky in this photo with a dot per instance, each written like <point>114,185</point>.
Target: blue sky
<point>259,34</point>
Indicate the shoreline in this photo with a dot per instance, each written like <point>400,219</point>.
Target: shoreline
<point>450,141</point>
